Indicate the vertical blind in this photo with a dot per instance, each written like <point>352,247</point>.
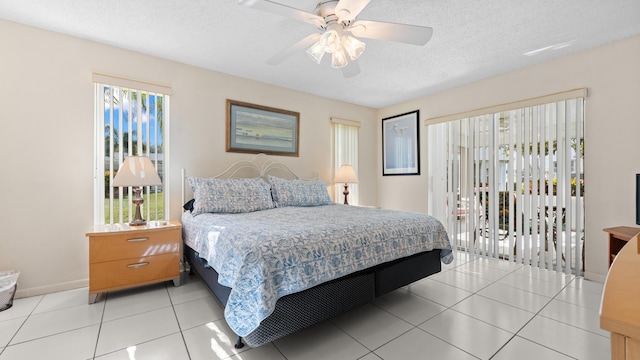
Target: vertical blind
<point>510,184</point>
<point>345,152</point>
<point>128,121</point>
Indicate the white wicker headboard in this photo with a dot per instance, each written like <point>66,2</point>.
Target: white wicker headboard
<point>259,166</point>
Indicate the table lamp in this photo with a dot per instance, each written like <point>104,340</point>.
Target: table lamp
<point>137,171</point>
<point>346,175</point>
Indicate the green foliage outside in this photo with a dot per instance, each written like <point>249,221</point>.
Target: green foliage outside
<point>150,202</point>
<point>554,186</point>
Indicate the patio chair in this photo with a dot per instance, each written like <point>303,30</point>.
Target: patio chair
<point>504,197</point>
<point>503,215</point>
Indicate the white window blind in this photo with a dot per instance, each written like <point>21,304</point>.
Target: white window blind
<point>510,184</point>
<point>345,152</point>
<point>130,119</point>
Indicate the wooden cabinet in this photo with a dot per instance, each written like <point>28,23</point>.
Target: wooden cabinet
<point>620,308</point>
<point>618,237</point>
<point>123,256</point>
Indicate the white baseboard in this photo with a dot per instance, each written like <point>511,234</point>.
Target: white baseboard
<point>595,277</point>
<point>42,290</point>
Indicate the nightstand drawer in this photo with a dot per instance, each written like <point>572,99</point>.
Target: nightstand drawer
<point>133,244</point>
<point>134,271</point>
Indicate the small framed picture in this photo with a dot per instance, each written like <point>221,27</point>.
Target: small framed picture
<point>262,129</point>
<point>401,144</point>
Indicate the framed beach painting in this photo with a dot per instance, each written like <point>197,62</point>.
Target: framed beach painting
<point>262,129</point>
<point>401,144</point>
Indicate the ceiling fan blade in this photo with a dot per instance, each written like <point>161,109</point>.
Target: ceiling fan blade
<point>283,10</point>
<point>347,10</point>
<point>352,69</point>
<point>293,49</point>
<point>404,33</point>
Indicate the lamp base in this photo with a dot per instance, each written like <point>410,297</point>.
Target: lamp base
<point>137,201</point>
<point>140,222</point>
<point>346,193</point>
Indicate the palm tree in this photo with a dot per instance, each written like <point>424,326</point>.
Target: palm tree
<point>124,142</point>
<point>159,114</point>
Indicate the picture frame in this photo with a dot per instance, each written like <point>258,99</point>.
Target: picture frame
<point>401,144</point>
<point>258,129</point>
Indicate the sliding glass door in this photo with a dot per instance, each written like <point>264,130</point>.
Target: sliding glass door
<point>510,184</point>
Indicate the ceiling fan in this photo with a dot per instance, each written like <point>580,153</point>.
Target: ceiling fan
<point>339,29</point>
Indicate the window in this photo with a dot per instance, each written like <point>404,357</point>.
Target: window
<point>510,183</point>
<point>345,152</point>
<point>129,121</point>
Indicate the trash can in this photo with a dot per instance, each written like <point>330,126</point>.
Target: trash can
<point>8,285</point>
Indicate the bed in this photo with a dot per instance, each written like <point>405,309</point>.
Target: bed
<point>280,255</point>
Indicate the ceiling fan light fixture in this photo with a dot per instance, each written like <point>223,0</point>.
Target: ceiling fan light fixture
<point>336,21</point>
<point>353,46</point>
<point>338,59</point>
<point>331,41</point>
<point>316,52</point>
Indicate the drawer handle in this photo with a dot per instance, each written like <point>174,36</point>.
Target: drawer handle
<point>138,239</point>
<point>137,265</point>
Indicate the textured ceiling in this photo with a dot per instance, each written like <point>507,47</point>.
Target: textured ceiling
<point>472,39</point>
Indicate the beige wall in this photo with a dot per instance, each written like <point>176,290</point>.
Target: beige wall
<point>47,136</point>
<point>612,129</point>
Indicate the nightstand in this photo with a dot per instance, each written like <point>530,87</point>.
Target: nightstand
<point>618,237</point>
<point>123,256</point>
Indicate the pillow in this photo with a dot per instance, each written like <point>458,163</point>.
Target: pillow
<point>299,192</point>
<point>233,196</point>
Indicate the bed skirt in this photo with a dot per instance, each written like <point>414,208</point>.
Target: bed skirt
<point>297,311</point>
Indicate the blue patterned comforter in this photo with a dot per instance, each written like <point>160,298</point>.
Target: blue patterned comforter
<point>265,255</point>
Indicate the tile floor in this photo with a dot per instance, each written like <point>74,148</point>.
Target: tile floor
<point>473,309</point>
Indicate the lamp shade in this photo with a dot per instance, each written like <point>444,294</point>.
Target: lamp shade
<point>346,174</point>
<point>338,59</point>
<point>137,171</point>
<point>316,52</point>
<point>353,46</point>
